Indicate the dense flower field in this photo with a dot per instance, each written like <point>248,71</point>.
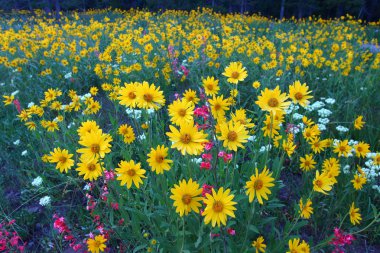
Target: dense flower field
<point>188,132</point>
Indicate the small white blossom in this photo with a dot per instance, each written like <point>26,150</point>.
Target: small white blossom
<point>44,201</point>
<point>297,116</point>
<point>330,101</point>
<point>346,169</point>
<point>141,137</point>
<point>342,129</point>
<point>37,181</point>
<point>321,127</point>
<point>196,160</point>
<point>68,75</point>
<point>24,153</point>
<point>252,138</point>
<point>70,125</point>
<point>324,113</point>
<point>150,111</point>
<point>323,121</point>
<point>30,104</point>
<point>17,142</point>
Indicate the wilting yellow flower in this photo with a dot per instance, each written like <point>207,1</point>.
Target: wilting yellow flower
<point>97,244</point>
<point>186,197</point>
<point>241,117</point>
<point>273,100</point>
<point>359,123</point>
<point>259,244</point>
<point>62,158</point>
<point>129,172</point>
<point>259,185</point>
<point>355,216</point>
<point>322,183</point>
<point>157,159</point>
<point>235,72</point>
<point>8,99</point>
<point>218,207</point>
<point>299,93</point>
<point>305,209</point>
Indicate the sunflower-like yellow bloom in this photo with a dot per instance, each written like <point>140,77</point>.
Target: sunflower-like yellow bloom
<point>218,207</point>
<point>296,247</point>
<point>219,106</point>
<point>259,185</point>
<point>342,148</point>
<point>299,93</point>
<point>97,244</point>
<point>186,197</point>
<point>62,158</point>
<point>127,95</point>
<point>90,169</point>
<point>181,111</point>
<point>307,163</point>
<point>127,132</point>
<point>233,134</point>
<point>87,126</point>
<point>210,84</point>
<point>361,149</point>
<point>187,139</point>
<point>191,96</point>
<point>149,97</point>
<point>273,100</point>
<point>96,144</point>
<point>129,172</point>
<point>157,159</point>
<point>235,72</point>
<point>358,181</point>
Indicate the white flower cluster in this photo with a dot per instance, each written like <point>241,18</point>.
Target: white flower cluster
<point>342,129</point>
<point>136,114</point>
<point>45,201</point>
<point>324,113</point>
<point>37,181</point>
<point>315,106</point>
<point>292,107</point>
<point>196,160</point>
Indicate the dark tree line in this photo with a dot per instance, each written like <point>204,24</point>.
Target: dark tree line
<point>368,10</point>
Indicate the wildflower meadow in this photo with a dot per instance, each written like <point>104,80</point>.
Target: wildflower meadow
<point>188,131</point>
